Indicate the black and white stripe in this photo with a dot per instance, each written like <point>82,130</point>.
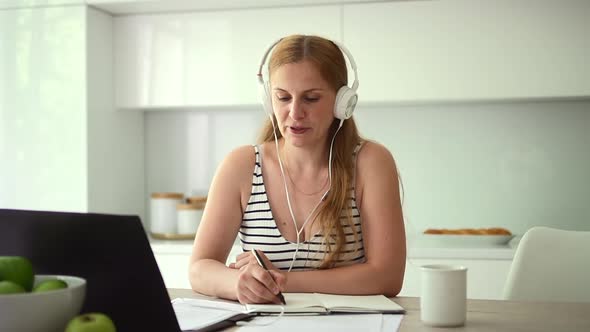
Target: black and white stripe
<point>259,231</point>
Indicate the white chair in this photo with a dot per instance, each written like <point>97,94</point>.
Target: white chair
<point>550,265</point>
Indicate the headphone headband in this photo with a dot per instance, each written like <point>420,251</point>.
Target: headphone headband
<point>343,49</point>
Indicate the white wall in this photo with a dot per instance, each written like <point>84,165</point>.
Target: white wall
<point>115,138</point>
<point>183,148</point>
<point>477,165</point>
<point>42,102</point>
<point>512,164</point>
<point>63,145</point>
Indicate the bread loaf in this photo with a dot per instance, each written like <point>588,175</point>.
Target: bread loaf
<point>469,231</point>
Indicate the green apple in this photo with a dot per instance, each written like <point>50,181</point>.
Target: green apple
<point>91,322</point>
<point>18,270</point>
<point>9,287</point>
<point>49,285</point>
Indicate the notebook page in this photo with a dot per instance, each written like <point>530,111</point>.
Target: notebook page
<point>193,317</point>
<point>213,303</point>
<point>323,323</point>
<point>296,303</point>
<point>359,303</point>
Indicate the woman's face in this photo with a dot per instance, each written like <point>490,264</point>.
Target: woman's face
<point>303,103</point>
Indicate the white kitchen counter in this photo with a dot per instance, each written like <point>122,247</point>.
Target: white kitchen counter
<point>499,252</point>
<point>488,265</point>
<point>506,252</point>
<point>183,247</point>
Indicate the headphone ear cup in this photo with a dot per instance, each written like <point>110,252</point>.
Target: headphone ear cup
<point>265,98</point>
<point>346,99</point>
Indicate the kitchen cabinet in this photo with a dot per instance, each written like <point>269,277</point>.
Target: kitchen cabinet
<point>11,4</point>
<point>173,259</point>
<point>174,269</point>
<point>487,268</point>
<point>126,7</point>
<point>406,51</point>
<point>485,277</point>
<point>462,50</point>
<point>204,58</point>
<point>56,104</point>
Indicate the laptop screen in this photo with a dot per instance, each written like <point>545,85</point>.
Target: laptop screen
<point>113,254</point>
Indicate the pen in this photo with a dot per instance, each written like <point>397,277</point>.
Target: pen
<point>261,263</point>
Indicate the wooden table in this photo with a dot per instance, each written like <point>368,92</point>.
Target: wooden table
<point>490,315</point>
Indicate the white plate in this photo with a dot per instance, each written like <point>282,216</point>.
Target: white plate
<point>456,240</point>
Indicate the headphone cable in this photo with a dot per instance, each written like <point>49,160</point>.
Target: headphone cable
<point>297,230</point>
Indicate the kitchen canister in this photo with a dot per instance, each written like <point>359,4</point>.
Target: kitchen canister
<point>198,200</point>
<point>163,212</point>
<point>189,214</point>
<point>188,217</point>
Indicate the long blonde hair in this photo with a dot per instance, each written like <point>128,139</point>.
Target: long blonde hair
<point>330,61</point>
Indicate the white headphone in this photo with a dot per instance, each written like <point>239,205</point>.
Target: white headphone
<point>346,97</point>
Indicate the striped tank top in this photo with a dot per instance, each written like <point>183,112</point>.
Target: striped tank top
<point>259,231</point>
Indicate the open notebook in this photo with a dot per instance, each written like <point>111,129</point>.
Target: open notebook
<point>305,303</point>
<point>204,313</point>
<point>328,303</point>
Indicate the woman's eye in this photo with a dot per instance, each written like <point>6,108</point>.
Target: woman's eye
<point>306,99</point>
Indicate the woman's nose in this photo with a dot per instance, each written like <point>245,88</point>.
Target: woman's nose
<point>296,111</point>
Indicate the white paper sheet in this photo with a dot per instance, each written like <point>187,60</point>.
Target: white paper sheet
<point>326,323</point>
<point>191,317</point>
<point>197,313</point>
<point>213,303</point>
<point>391,323</point>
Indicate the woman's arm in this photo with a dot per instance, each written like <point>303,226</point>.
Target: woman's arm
<point>384,240</point>
<point>208,274</point>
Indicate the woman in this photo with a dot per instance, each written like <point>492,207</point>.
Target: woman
<point>340,234</point>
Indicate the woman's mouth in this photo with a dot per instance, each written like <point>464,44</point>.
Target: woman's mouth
<point>297,130</point>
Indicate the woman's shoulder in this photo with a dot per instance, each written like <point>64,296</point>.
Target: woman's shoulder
<point>240,158</point>
<point>373,155</point>
<point>372,149</point>
<point>374,165</point>
<point>243,152</point>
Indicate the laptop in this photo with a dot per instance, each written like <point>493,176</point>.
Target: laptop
<point>112,252</point>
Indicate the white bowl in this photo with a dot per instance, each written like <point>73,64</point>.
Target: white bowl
<point>44,311</point>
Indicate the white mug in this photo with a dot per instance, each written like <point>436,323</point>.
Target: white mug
<point>443,295</point>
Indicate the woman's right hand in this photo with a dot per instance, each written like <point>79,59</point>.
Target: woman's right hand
<point>257,285</point>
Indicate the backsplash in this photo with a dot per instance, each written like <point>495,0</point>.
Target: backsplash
<point>513,164</point>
